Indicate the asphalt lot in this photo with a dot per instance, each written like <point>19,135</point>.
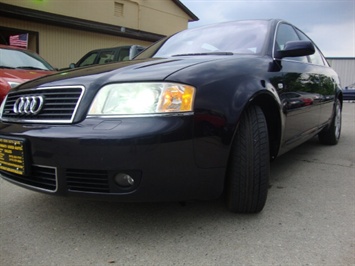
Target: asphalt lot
<point>309,219</point>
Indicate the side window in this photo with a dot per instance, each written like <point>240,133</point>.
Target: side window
<point>315,58</point>
<point>106,56</point>
<point>124,54</point>
<point>286,33</point>
<point>88,60</point>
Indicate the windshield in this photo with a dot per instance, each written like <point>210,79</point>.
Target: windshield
<point>18,59</point>
<point>240,37</point>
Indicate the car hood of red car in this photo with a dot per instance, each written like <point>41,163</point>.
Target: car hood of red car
<point>21,75</point>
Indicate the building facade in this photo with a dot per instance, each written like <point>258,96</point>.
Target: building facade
<point>345,67</point>
<point>63,31</point>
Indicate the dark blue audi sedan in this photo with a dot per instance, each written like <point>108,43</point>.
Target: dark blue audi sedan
<point>197,115</point>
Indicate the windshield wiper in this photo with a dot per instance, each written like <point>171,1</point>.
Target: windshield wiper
<point>210,53</point>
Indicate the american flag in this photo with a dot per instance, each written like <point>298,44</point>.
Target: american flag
<point>19,40</point>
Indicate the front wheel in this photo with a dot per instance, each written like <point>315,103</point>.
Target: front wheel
<point>331,134</point>
<point>249,164</point>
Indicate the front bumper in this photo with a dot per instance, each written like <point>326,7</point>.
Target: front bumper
<point>83,159</point>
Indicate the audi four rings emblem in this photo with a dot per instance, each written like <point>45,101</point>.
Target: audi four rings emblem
<point>29,105</point>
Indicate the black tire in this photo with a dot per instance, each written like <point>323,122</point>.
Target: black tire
<point>331,134</point>
<point>249,164</point>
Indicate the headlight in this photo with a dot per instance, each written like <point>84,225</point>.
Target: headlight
<point>143,98</point>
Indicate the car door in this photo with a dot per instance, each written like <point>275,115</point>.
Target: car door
<point>298,89</point>
<point>325,78</point>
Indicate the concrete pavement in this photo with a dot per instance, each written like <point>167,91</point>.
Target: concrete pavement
<point>309,219</point>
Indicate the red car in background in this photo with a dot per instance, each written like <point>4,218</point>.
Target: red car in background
<point>18,65</point>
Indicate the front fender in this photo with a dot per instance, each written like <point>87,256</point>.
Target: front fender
<point>217,113</point>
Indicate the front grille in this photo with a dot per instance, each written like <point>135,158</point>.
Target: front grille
<point>41,177</point>
<point>60,105</point>
<point>87,180</point>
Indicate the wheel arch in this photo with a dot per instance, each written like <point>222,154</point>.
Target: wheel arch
<point>271,110</point>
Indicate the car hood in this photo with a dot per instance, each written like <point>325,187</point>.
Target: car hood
<point>135,70</point>
<point>20,75</point>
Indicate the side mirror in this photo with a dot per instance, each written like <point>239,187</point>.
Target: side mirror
<point>296,48</point>
<point>135,50</point>
<point>72,65</point>
<point>132,52</point>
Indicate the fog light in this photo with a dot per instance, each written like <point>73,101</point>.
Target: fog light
<point>124,180</point>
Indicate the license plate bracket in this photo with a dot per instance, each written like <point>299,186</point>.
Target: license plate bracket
<point>13,156</point>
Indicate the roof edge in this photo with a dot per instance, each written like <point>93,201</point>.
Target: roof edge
<point>187,11</point>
